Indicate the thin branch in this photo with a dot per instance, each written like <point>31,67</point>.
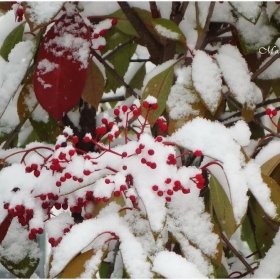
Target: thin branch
<point>129,41</point>
<point>154,9</point>
<point>12,136</point>
<point>266,128</point>
<point>270,224</point>
<point>115,74</point>
<point>265,66</point>
<point>155,49</point>
<point>237,254</point>
<point>112,99</point>
<point>140,60</point>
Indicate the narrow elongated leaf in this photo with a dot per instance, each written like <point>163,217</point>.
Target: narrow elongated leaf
<point>95,85</point>
<point>11,40</point>
<point>168,29</point>
<point>158,87</point>
<point>62,63</point>
<point>222,206</point>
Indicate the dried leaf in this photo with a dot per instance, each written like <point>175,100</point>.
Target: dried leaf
<point>4,226</point>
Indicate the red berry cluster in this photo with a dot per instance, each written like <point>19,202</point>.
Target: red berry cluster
<point>97,32</point>
<point>18,11</point>
<point>271,112</point>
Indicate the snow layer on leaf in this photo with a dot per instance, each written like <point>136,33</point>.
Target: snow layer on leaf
<point>259,189</point>
<point>202,134</point>
<point>272,72</point>
<point>41,11</point>
<point>241,133</point>
<point>167,32</point>
<point>257,35</point>
<point>82,234</point>
<point>207,80</point>
<point>203,8</point>
<point>236,75</point>
<point>269,265</point>
<point>12,72</point>
<point>249,10</point>
<point>16,245</point>
<point>170,265</point>
<point>179,100</point>
<point>267,152</point>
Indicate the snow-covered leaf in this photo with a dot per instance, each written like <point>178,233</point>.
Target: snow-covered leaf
<point>159,87</point>
<point>168,29</point>
<point>62,63</point>
<point>38,14</point>
<point>95,85</point>
<point>249,10</point>
<point>270,165</point>
<point>207,80</point>
<point>11,40</point>
<point>222,206</point>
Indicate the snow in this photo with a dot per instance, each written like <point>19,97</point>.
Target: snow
<point>272,72</point>
<point>249,10</point>
<point>42,12</point>
<point>167,33</point>
<point>207,80</point>
<point>202,134</point>
<point>171,265</point>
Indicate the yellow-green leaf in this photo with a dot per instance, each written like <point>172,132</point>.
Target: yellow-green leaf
<point>94,86</point>
<point>222,207</point>
<point>247,113</point>
<point>158,87</point>
<point>11,40</point>
<point>270,165</point>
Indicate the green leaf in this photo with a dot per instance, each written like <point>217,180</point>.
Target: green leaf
<point>159,87</point>
<point>249,10</point>
<point>137,80</point>
<point>247,234</point>
<point>257,131</point>
<point>222,207</point>
<point>221,272</point>
<point>103,271</point>
<point>120,61</point>
<point>169,29</point>
<point>275,193</point>
<point>94,86</point>
<point>11,40</point>
<point>270,165</point>
<point>247,113</point>
<point>264,234</point>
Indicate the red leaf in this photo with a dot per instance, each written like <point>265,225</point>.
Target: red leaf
<point>4,226</point>
<point>62,63</point>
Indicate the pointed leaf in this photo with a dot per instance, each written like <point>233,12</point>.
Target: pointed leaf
<point>168,29</point>
<point>61,67</point>
<point>11,40</point>
<point>207,80</point>
<point>4,226</point>
<point>95,85</point>
<point>158,87</point>
<point>249,10</point>
<point>222,206</point>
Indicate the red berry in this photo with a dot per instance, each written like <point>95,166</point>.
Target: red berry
<point>114,21</point>
<point>28,169</point>
<point>57,205</point>
<point>176,188</point>
<point>198,153</point>
<point>155,188</point>
<point>160,193</point>
<point>124,108</point>
<point>57,146</point>
<point>274,113</point>
<point>95,36</point>
<point>51,240</point>
<point>124,154</point>
<point>20,11</point>
<point>75,139</point>
<point>107,181</point>
<point>66,230</point>
<point>124,167</point>
<point>97,199</point>
<point>159,139</point>
<point>153,165</point>
<point>117,193</point>
<point>104,121</point>
<point>31,236</point>
<point>87,139</point>
<point>88,216</point>
<point>58,183</point>
<point>101,48</point>
<point>151,152</point>
<point>146,104</point>
<point>67,175</point>
<point>163,127</point>
<point>6,206</point>
<point>141,146</point>
<point>86,172</point>
<point>168,198</point>
<point>143,160</point>
<point>170,192</point>
<point>110,137</point>
<point>102,32</point>
<point>50,195</point>
<point>80,180</point>
<point>19,208</point>
<point>105,199</point>
<point>45,205</point>
<point>34,166</point>
<point>43,196</point>
<point>138,151</point>
<point>122,188</point>
<point>268,111</point>
<point>62,179</point>
<point>186,191</point>
<point>132,198</point>
<point>71,153</point>
<point>200,186</point>
<point>168,181</point>
<point>154,106</point>
<point>116,112</point>
<point>29,211</point>
<point>36,173</point>
<point>89,194</point>
<point>64,206</point>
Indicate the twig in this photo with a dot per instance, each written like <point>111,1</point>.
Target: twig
<point>154,10</point>
<point>140,60</point>
<point>119,48</point>
<point>112,99</point>
<point>265,66</point>
<point>115,74</point>
<point>270,224</point>
<point>237,253</point>
<point>12,136</point>
<point>155,49</point>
